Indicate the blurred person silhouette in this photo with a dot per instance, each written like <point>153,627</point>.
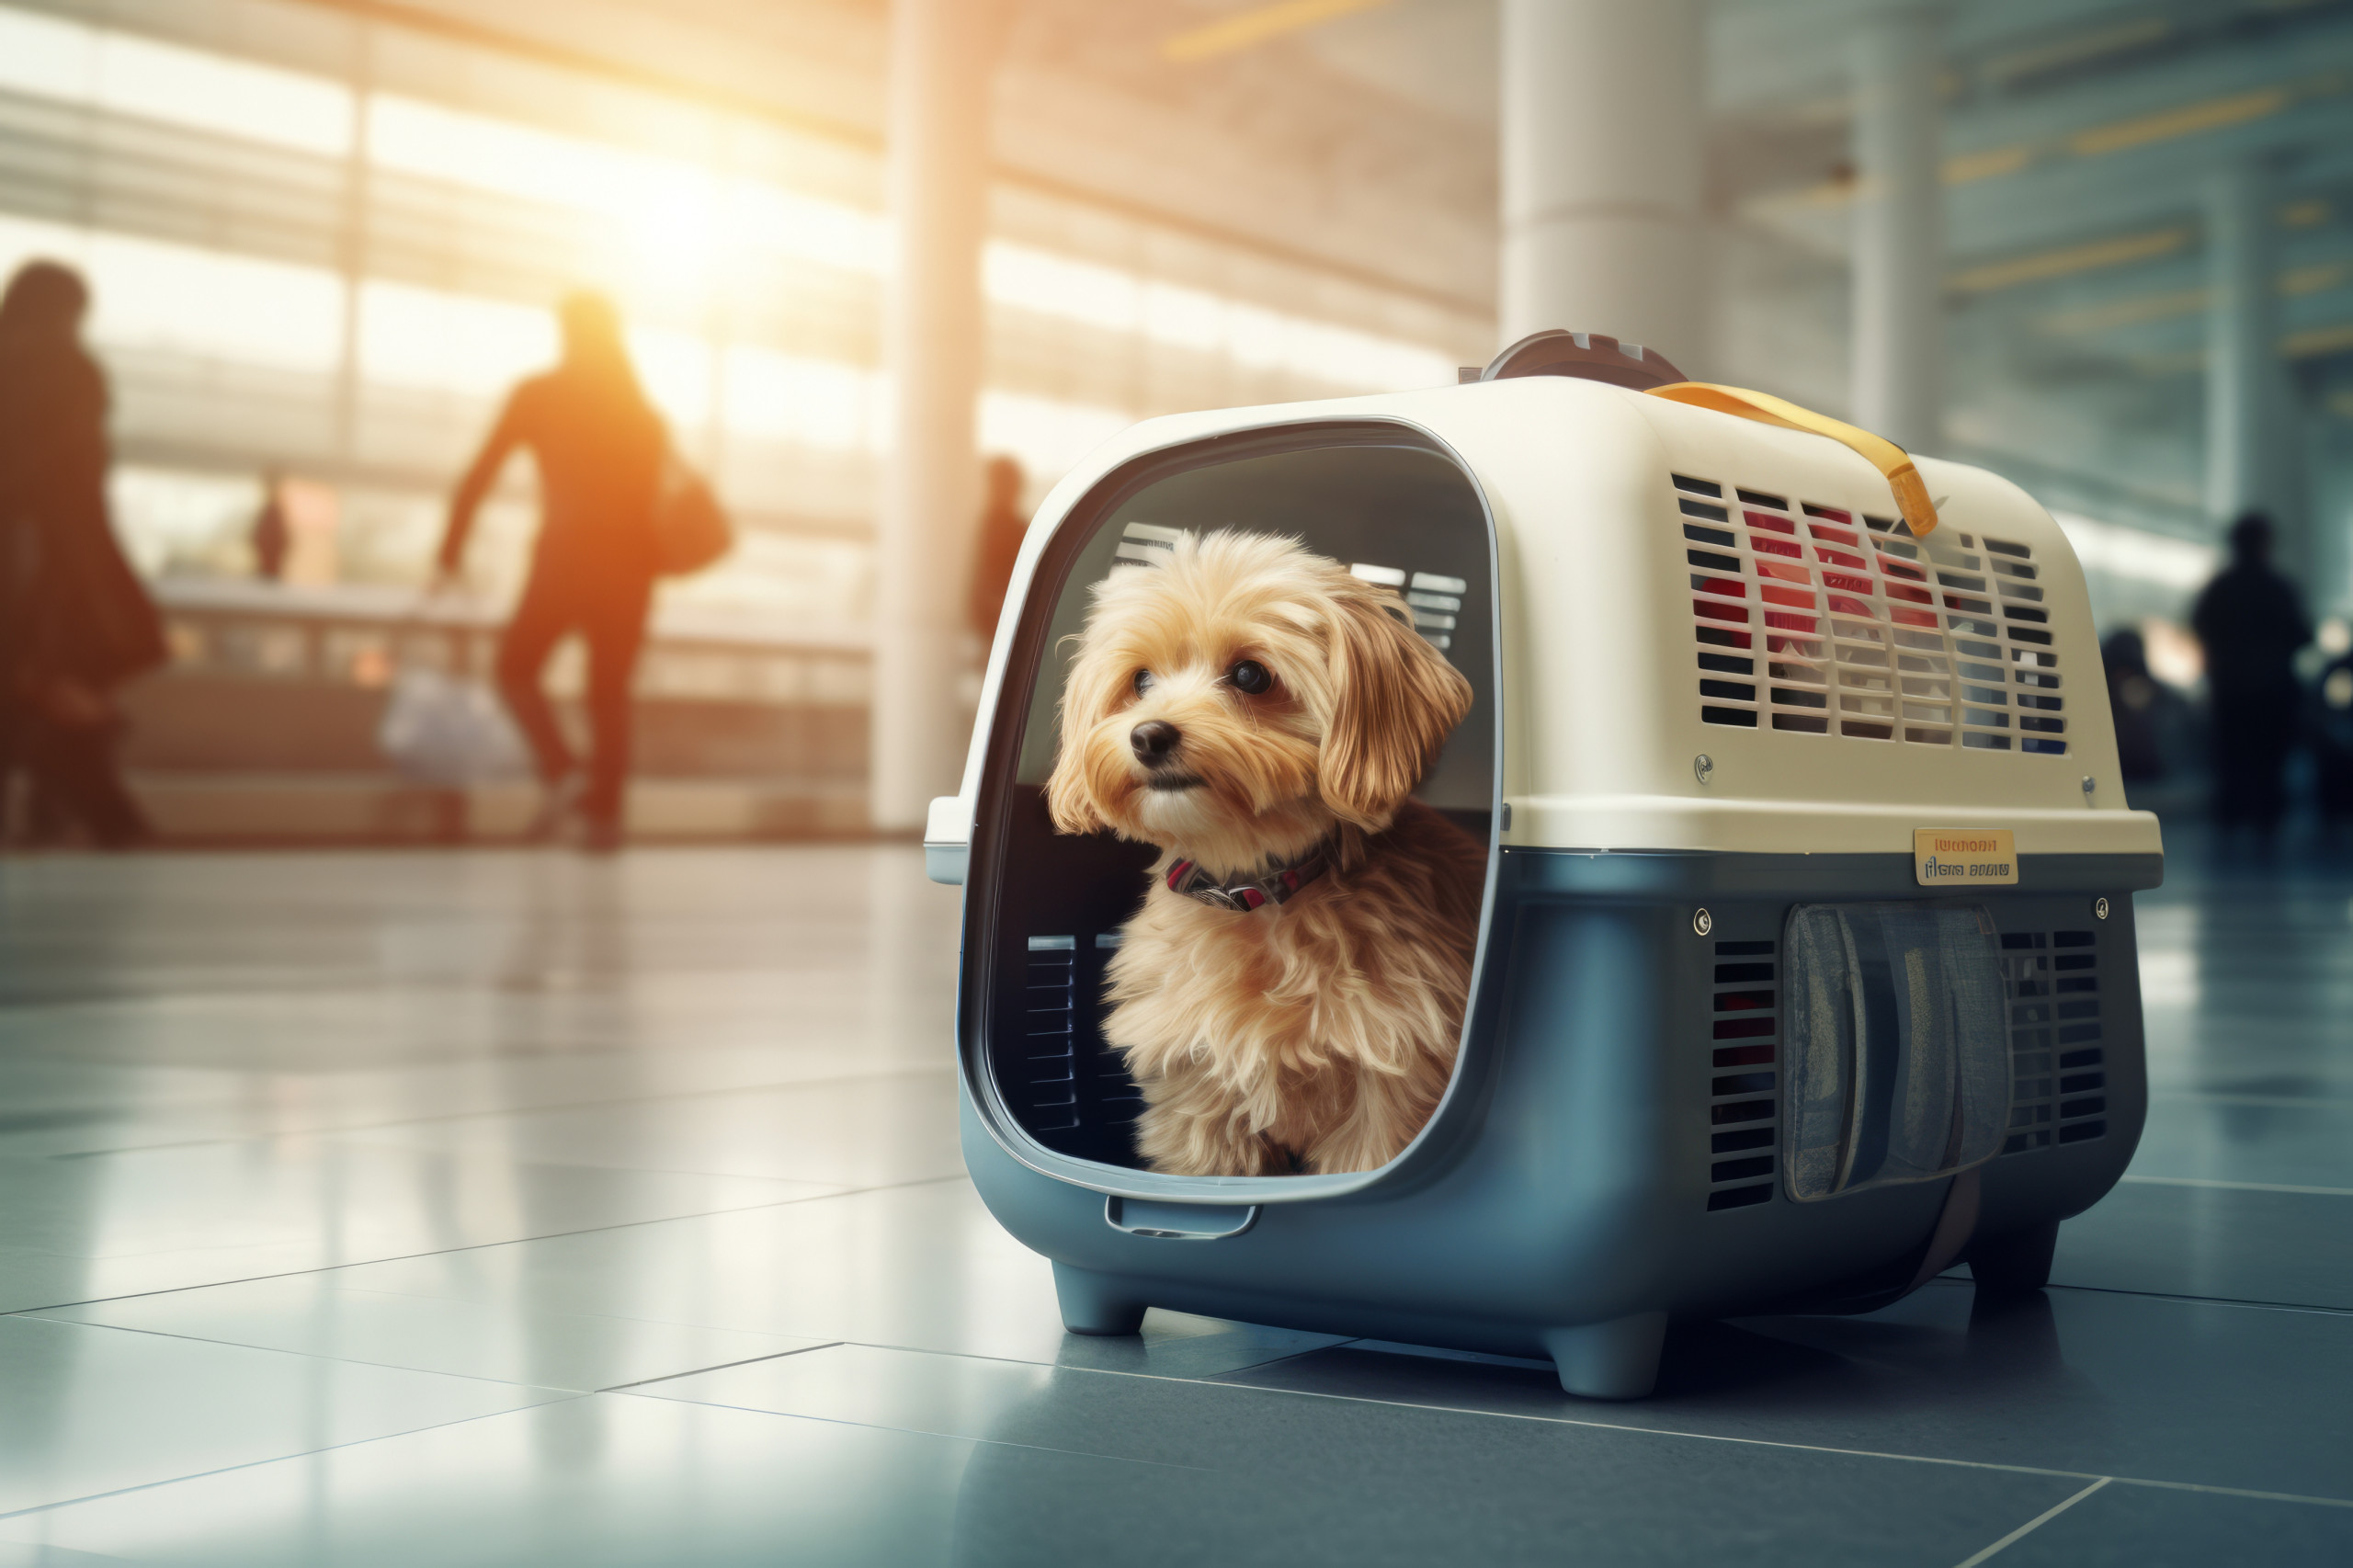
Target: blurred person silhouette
<point>272,535</point>
<point>599,449</point>
<point>1003,526</point>
<point>75,622</point>
<point>2132,705</point>
<point>2252,623</point>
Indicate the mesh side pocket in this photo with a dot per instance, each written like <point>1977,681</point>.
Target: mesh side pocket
<point>1899,1064</point>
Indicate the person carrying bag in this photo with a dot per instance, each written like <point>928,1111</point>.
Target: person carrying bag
<point>619,508</point>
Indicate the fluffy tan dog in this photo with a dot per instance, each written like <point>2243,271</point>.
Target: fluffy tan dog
<point>1289,997</point>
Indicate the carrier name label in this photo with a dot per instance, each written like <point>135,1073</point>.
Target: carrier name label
<point>1964,857</point>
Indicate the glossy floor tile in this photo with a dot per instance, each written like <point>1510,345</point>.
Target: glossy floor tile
<point>2221,1243</point>
<point>514,1338</point>
<point>2138,1527</point>
<point>78,1229</point>
<point>88,1409</point>
<point>334,1188</point>
<point>2249,1397</point>
<point>623,1479</point>
<point>866,1131</point>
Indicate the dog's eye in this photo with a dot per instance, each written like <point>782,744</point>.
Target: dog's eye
<point>1143,682</point>
<point>1250,675</point>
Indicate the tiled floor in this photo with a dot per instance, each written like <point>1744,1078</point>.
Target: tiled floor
<point>459,1209</point>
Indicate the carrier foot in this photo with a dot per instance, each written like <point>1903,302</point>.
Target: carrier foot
<point>1617,1359</point>
<point>2015,1261</point>
<point>1091,1305</point>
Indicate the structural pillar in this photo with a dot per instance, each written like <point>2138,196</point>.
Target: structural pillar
<point>943,55</point>
<point>351,242</point>
<point>1603,119</point>
<point>2244,400</point>
<point>1899,228</point>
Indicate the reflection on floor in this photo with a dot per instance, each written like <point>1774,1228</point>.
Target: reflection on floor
<point>488,1208</point>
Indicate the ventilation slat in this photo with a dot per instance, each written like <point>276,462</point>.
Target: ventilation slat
<point>2049,1109</point>
<point>1829,591</point>
<point>1742,1108</point>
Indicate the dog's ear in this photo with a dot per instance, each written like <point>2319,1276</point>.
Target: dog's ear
<point>1395,700</point>
<point>1069,800</point>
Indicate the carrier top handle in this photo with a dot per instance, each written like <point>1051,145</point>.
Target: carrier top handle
<point>1598,357</point>
<point>1911,494</point>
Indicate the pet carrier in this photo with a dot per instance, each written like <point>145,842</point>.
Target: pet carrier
<point>1806,967</point>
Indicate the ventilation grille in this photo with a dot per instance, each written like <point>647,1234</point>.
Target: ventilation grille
<point>1434,599</point>
<point>1049,1053</point>
<point>2058,1077</point>
<point>1743,1101</point>
<point>1814,621</point>
<point>1066,1077</point>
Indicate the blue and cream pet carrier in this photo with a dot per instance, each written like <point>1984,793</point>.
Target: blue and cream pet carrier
<point>1806,964</point>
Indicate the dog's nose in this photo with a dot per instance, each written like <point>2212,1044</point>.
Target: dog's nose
<point>1153,741</point>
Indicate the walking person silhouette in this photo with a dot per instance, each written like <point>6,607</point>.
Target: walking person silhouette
<point>598,446</point>
<point>75,622</point>
<point>2252,623</point>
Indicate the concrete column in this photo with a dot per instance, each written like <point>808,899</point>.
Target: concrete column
<point>1603,118</point>
<point>1899,229</point>
<point>351,243</point>
<point>943,53</point>
<point>2244,400</point>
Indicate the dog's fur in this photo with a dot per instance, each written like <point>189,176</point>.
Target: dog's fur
<point>1316,1035</point>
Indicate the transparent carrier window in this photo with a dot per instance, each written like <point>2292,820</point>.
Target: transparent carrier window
<point>1899,1065</point>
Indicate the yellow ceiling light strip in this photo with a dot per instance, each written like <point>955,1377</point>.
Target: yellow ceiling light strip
<point>2213,114</point>
<point>2317,340</point>
<point>2118,136</point>
<point>1967,168</point>
<point>1894,461</point>
<point>2069,260</point>
<point>1252,28</point>
<point>2077,51</point>
<point>2094,319</point>
<point>2313,280</point>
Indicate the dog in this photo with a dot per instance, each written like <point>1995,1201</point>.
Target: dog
<point>1290,994</point>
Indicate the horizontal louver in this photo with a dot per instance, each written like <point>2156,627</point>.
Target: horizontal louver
<point>1817,620</point>
<point>1744,1097</point>
<point>2059,1078</point>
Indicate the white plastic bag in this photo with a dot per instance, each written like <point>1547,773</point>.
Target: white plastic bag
<point>447,733</point>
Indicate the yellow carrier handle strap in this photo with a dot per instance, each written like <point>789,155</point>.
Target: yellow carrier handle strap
<point>1911,494</point>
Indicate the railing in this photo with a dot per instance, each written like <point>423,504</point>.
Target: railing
<point>272,701</point>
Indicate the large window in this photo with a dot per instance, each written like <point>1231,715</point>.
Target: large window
<point>331,262</point>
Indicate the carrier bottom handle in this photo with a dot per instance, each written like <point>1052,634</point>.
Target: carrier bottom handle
<point>1617,1359</point>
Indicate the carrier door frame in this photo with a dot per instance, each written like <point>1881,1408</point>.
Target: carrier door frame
<point>1024,665</point>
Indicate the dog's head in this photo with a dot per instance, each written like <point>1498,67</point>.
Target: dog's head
<point>1242,699</point>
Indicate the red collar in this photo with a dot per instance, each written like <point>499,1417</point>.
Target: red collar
<point>1276,887</point>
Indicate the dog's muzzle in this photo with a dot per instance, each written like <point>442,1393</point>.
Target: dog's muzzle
<point>1155,742</point>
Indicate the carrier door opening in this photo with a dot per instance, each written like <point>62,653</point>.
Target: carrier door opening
<point>1371,500</point>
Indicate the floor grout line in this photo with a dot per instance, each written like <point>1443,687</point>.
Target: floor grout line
<point>1225,1380</point>
<point>2199,1301</point>
<point>835,1081</point>
<point>2032,1524</point>
<point>723,1365</point>
<point>925,1432</point>
<point>283,1459</point>
<point>2221,1186</point>
<point>304,1355</point>
<point>480,1246</point>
